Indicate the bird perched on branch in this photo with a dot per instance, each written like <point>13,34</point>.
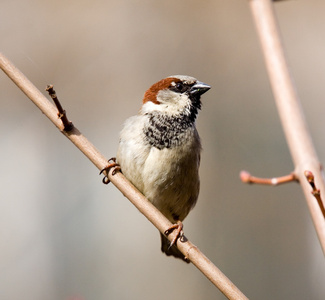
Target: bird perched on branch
<point>159,150</point>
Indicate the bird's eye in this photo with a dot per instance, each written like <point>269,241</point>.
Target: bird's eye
<point>179,86</point>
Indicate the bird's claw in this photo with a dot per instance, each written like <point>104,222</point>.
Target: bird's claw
<point>114,165</point>
<point>179,232</point>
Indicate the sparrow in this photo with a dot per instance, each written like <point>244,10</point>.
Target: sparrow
<point>159,150</point>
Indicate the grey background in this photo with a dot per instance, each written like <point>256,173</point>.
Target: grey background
<point>64,235</point>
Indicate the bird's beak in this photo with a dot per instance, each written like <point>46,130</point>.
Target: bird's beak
<point>199,88</point>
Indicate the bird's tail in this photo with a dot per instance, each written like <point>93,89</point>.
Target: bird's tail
<point>171,251</point>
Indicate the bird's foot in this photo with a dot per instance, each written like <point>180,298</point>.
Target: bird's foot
<point>111,164</point>
<point>179,232</point>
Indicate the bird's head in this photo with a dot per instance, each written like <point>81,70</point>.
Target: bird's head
<point>174,95</point>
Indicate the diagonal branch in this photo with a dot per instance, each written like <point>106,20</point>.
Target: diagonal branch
<point>292,118</point>
<point>128,190</point>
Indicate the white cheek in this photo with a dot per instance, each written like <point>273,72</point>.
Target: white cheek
<point>170,103</point>
<point>173,103</point>
<point>149,107</point>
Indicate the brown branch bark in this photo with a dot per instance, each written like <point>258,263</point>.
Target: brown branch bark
<point>248,178</point>
<point>315,192</point>
<point>292,118</point>
<point>128,190</point>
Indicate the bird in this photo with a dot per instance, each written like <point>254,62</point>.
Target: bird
<point>159,151</point>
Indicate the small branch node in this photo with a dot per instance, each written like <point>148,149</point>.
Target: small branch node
<point>246,177</point>
<point>68,126</point>
<point>310,178</point>
<point>188,251</point>
<point>315,192</point>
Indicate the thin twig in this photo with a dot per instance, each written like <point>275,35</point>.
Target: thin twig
<point>315,192</point>
<point>68,126</point>
<point>143,205</point>
<point>292,118</point>
<point>248,178</point>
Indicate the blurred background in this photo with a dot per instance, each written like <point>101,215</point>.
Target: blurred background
<point>65,235</point>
